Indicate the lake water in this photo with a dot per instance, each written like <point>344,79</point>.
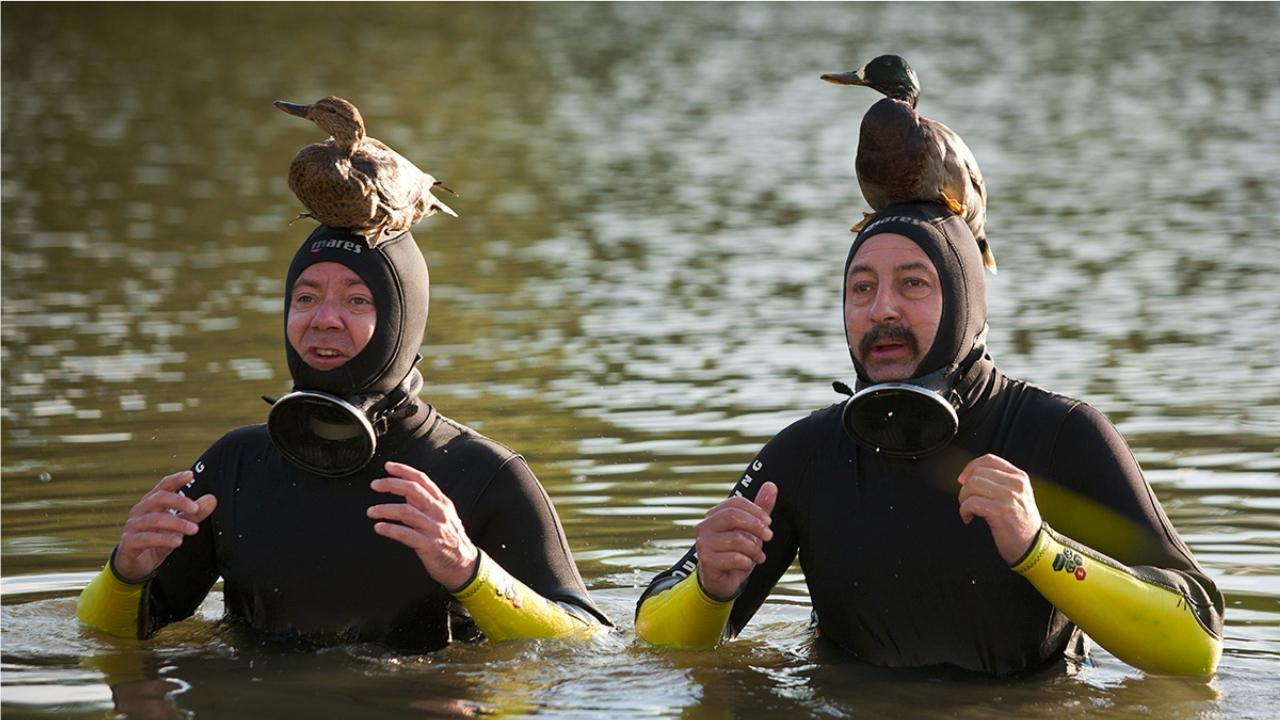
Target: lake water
<point>643,287</point>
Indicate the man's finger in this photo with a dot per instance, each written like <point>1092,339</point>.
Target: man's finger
<point>723,563</point>
<point>732,542</point>
<point>402,513</point>
<point>989,462</point>
<point>204,508</point>
<point>977,507</point>
<point>172,482</point>
<point>995,461</point>
<point>996,488</point>
<point>730,519</point>
<point>161,521</point>
<point>414,493</point>
<point>164,501</point>
<point>404,535</point>
<point>741,504</point>
<point>136,542</point>
<point>416,476</point>
<point>767,496</point>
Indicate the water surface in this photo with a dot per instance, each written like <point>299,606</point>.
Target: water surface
<point>643,287</point>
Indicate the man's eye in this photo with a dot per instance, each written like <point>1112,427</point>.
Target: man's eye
<point>916,287</point>
<point>303,299</point>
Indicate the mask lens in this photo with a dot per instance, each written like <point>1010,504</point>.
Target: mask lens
<point>900,420</point>
<point>321,433</point>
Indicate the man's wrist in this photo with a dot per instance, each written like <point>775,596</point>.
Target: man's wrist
<point>120,576</point>
<point>716,597</point>
<point>1031,555</point>
<point>472,572</point>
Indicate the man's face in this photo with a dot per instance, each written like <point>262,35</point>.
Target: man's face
<point>892,307</point>
<point>331,315</point>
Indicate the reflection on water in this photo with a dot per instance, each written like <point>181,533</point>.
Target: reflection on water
<point>642,288</point>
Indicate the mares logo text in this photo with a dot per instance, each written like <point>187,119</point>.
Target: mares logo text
<point>1071,562</point>
<point>347,245</point>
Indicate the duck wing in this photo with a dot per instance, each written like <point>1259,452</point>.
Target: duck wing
<point>327,186</point>
<point>403,190</point>
<point>959,178</point>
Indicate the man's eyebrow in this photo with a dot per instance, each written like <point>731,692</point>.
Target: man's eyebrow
<point>916,265</point>
<point>913,265</point>
<point>308,282</point>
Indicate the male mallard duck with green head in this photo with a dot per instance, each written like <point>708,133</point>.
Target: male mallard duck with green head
<point>906,157</point>
<point>356,182</point>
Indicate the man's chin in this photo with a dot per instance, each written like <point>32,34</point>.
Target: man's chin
<point>887,374</point>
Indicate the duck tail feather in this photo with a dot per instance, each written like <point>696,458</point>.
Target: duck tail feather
<point>988,257</point>
<point>437,205</point>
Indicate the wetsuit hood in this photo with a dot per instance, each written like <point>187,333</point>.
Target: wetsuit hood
<point>946,240</point>
<point>396,275</point>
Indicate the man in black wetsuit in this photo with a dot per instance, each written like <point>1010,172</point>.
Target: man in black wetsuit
<point>358,512</point>
<point>955,517</point>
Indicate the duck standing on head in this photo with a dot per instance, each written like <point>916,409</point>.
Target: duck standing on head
<point>906,157</point>
<point>356,182</point>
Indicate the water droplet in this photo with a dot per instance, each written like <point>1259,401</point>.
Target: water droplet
<point>45,477</point>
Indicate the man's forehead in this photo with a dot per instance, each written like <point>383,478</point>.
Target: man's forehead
<point>329,271</point>
<point>887,251</point>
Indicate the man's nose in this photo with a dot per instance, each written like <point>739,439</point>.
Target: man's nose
<point>884,306</point>
<point>328,315</point>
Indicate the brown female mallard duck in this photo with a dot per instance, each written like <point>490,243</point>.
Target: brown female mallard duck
<point>906,157</point>
<point>354,181</point>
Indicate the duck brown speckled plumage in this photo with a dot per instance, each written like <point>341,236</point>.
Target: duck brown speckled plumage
<point>356,182</point>
<point>906,157</point>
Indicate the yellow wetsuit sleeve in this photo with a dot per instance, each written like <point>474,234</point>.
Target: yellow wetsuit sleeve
<point>1146,624</point>
<point>683,616</point>
<point>111,605</point>
<point>506,609</point>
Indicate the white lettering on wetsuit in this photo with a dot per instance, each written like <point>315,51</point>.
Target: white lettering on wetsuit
<point>347,245</point>
<point>687,567</point>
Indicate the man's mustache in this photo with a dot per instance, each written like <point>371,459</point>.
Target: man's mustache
<point>882,333</point>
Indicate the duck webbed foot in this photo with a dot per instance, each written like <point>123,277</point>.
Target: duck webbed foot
<point>861,223</point>
<point>952,204</point>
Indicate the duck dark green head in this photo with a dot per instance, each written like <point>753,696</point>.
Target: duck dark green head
<point>889,74</point>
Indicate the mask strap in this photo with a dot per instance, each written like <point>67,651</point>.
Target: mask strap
<point>966,383</point>
<point>396,404</point>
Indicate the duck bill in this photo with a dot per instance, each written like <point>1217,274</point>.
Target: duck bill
<point>293,108</point>
<point>853,77</point>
